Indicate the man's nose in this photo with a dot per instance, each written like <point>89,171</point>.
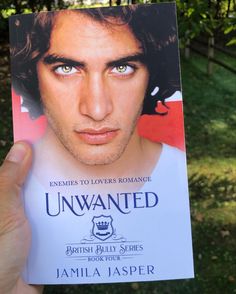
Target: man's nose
<point>95,101</point>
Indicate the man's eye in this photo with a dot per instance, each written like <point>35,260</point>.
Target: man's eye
<point>122,70</point>
<point>65,70</point>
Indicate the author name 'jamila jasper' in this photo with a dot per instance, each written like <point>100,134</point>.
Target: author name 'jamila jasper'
<point>78,204</point>
<point>132,271</point>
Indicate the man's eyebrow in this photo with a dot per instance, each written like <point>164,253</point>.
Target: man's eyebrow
<point>140,57</point>
<point>53,58</point>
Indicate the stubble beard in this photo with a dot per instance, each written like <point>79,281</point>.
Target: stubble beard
<point>96,157</point>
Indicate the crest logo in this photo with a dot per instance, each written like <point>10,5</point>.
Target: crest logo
<point>102,227</point>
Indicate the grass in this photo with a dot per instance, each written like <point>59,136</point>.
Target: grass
<point>209,110</point>
<point>210,118</point>
<point>210,121</point>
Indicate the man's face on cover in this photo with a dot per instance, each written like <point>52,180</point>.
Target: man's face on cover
<point>92,82</point>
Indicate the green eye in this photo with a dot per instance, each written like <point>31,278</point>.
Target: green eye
<point>66,68</point>
<point>121,68</point>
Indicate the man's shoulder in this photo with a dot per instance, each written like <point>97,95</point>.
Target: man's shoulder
<point>172,155</point>
<point>172,150</point>
<point>164,149</point>
<point>172,159</point>
<point>169,163</point>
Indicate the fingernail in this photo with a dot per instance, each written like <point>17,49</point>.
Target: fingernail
<point>17,153</point>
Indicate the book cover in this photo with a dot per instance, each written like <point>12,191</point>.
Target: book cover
<point>97,93</point>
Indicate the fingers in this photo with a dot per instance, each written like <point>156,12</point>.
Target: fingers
<point>16,165</point>
<point>14,229</point>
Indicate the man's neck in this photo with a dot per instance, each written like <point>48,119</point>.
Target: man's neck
<point>52,158</point>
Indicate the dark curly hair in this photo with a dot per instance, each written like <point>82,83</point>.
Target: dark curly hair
<point>153,25</point>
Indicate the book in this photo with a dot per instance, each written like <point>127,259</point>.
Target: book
<point>97,93</point>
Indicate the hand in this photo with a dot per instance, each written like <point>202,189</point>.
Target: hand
<point>14,228</point>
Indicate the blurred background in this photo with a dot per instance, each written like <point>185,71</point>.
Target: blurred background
<point>207,37</point>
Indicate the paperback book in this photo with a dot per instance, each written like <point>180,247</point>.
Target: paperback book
<point>97,93</point>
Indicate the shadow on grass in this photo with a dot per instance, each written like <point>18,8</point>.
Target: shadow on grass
<point>220,189</point>
<point>209,106</point>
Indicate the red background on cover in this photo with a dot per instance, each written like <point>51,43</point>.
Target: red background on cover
<point>167,129</point>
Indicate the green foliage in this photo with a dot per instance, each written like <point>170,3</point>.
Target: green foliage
<point>230,28</point>
<point>9,7</point>
<point>17,6</point>
<point>207,17</point>
<point>194,18</point>
<point>199,16</point>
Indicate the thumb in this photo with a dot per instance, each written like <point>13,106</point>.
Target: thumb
<point>16,165</point>
<point>12,175</point>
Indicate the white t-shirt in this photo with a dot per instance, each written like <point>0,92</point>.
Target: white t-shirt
<point>148,238</point>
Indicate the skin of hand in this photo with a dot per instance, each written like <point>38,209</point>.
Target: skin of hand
<point>15,235</point>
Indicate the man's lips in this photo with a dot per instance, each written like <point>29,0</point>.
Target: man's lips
<point>97,137</point>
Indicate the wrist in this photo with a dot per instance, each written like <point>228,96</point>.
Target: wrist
<point>21,287</point>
